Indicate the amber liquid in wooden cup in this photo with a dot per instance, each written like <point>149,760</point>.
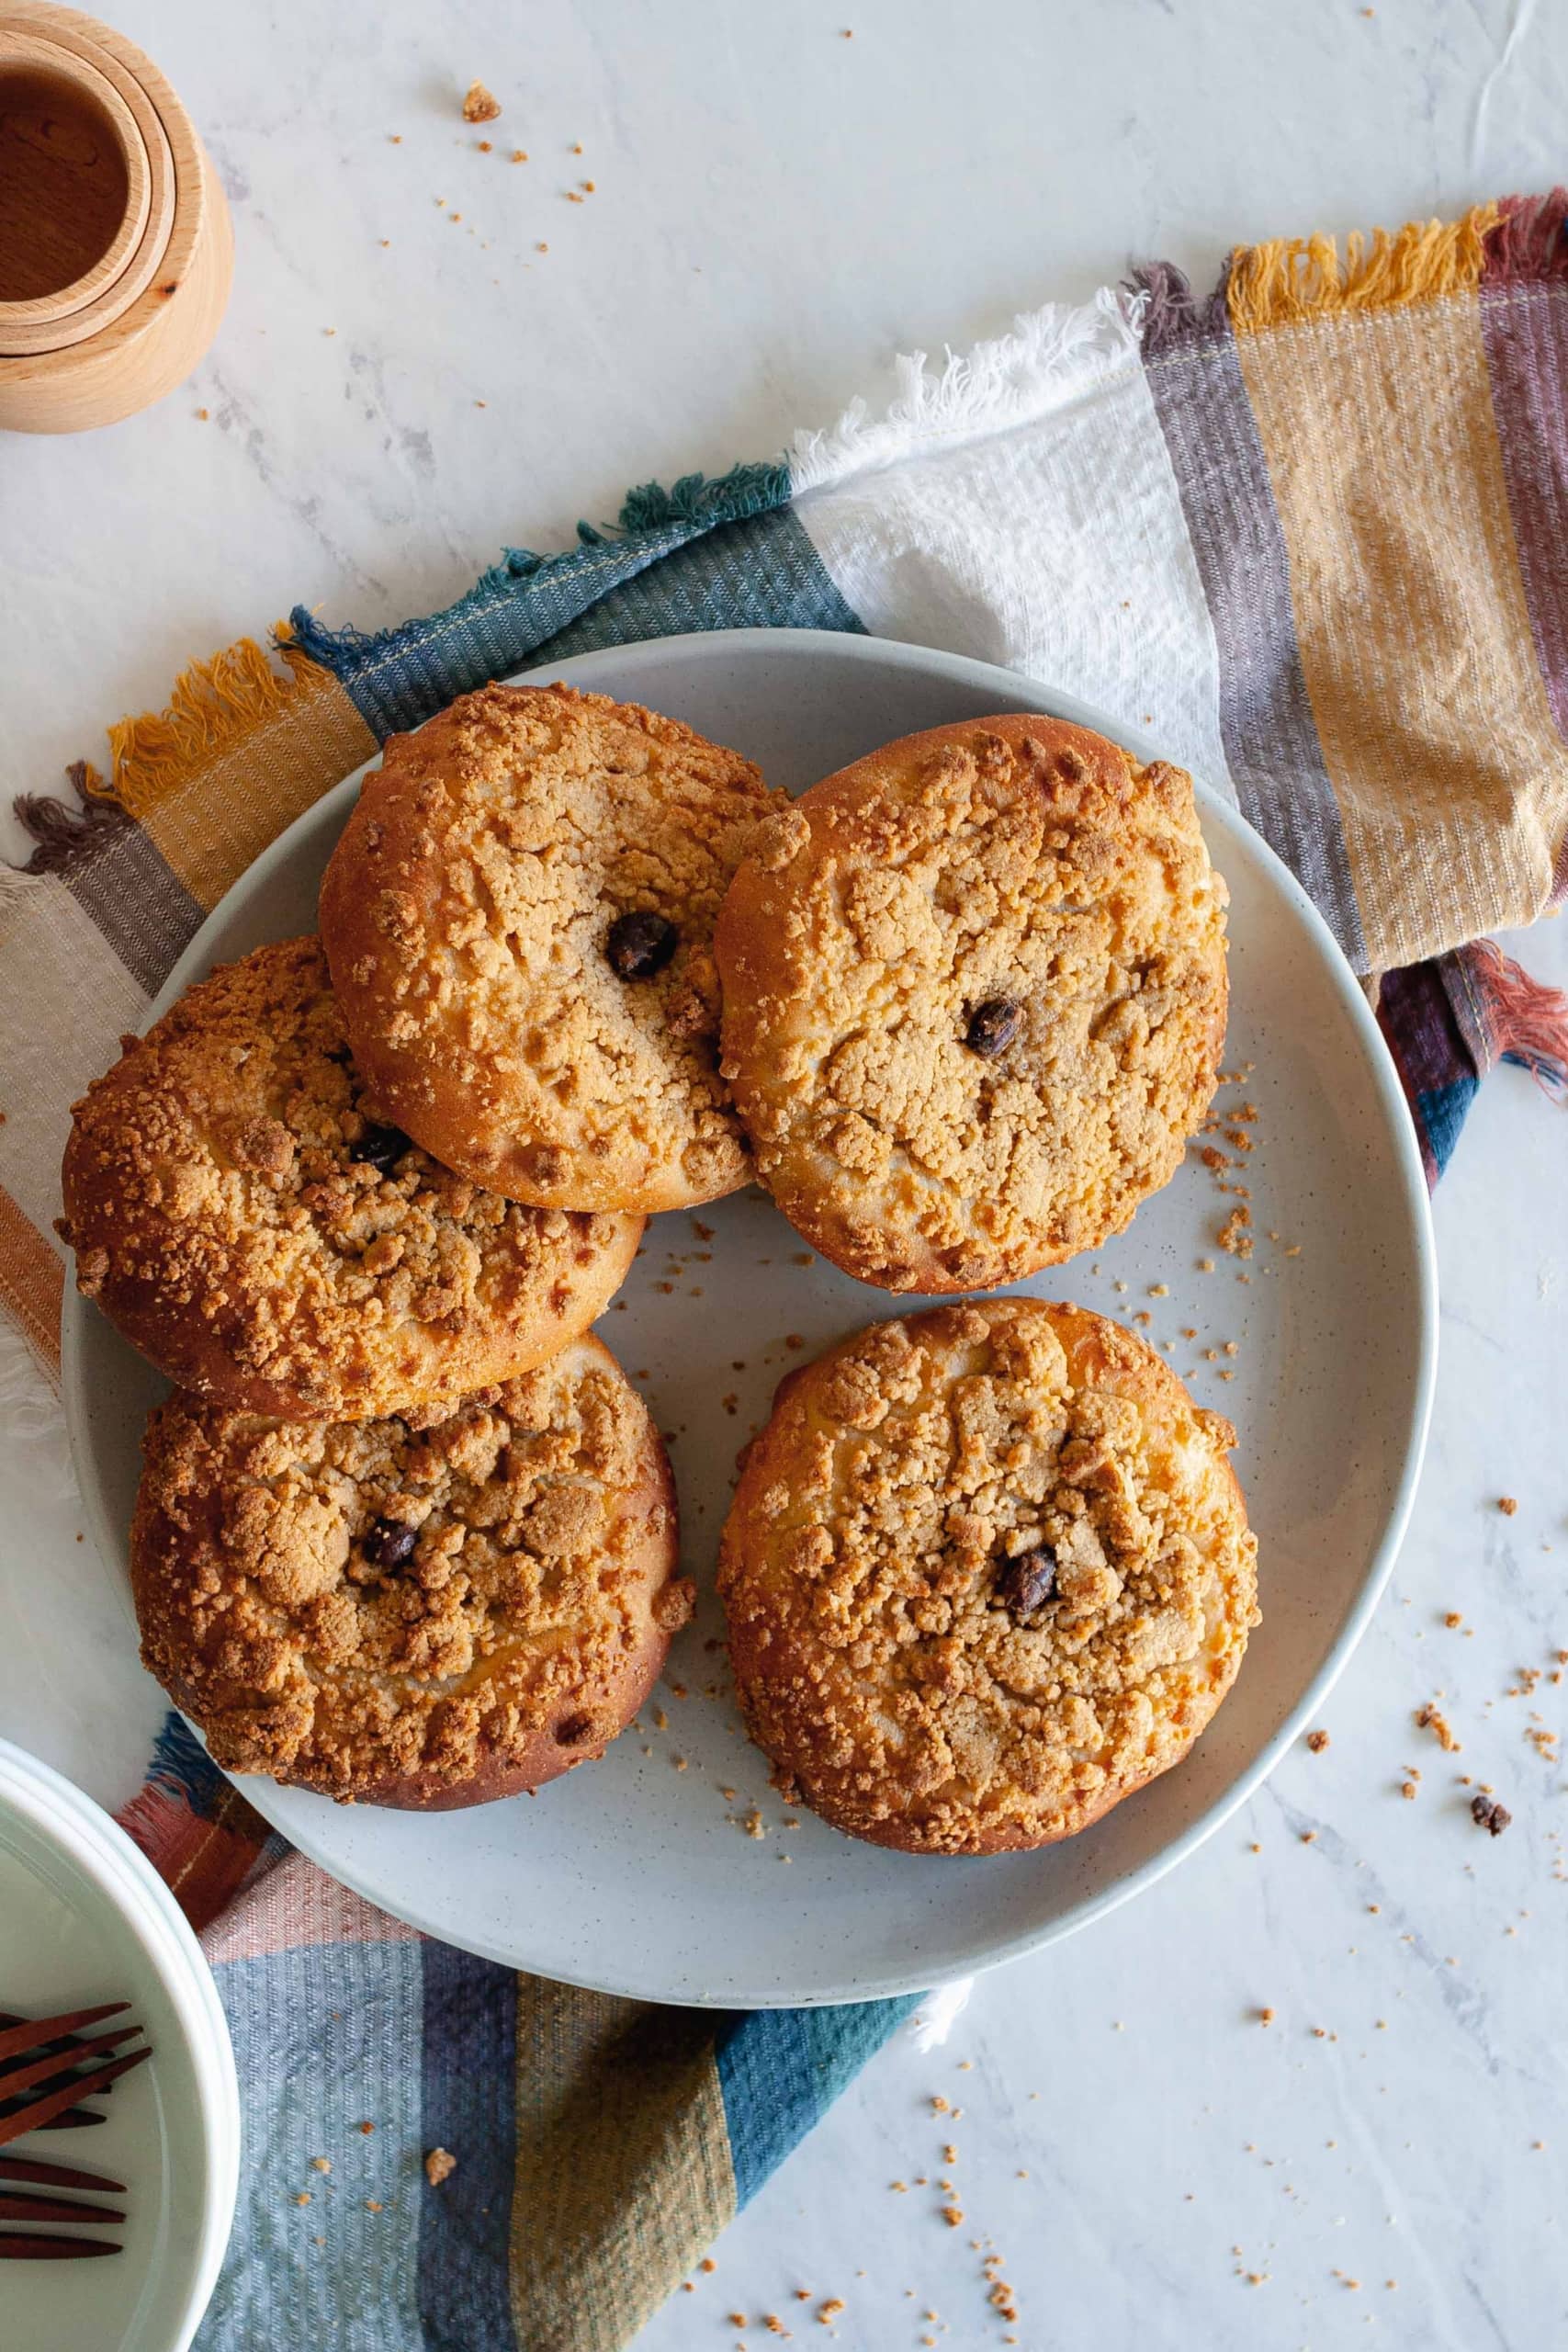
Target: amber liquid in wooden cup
<point>115,249</point>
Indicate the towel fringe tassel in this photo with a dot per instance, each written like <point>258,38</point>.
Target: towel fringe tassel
<point>1525,1019</point>
<point>1527,245</point>
<point>69,833</point>
<point>1293,281</point>
<point>213,706</point>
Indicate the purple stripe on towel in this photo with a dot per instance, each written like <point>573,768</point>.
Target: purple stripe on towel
<point>1524,324</point>
<point>1266,721</point>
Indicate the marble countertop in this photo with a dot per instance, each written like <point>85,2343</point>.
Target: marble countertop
<point>407,376</point>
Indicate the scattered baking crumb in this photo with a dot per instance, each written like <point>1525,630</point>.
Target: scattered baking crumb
<point>1233,1235</point>
<point>1508,1504</point>
<point>1427,1718</point>
<point>321,2164</point>
<point>1317,1741</point>
<point>519,156</point>
<point>940,2105</point>
<point>374,2205</point>
<point>1265,2017</point>
<point>1487,1814</point>
<point>830,2311</point>
<point>439,2165</point>
<point>953,2215</point>
<point>367,2128</point>
<point>541,248</point>
<point>1407,1789</point>
<point>303,2198</point>
<point>480,105</point>
<point>1453,1618</point>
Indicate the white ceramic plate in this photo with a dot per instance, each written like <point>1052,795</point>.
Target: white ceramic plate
<point>638,1876</point>
<point>84,1918</point>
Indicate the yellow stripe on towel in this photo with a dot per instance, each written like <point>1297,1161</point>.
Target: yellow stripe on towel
<point>32,1283</point>
<point>242,748</point>
<point>623,2177</point>
<point>1377,425</point>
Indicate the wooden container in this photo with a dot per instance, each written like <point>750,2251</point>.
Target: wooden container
<point>115,249</point>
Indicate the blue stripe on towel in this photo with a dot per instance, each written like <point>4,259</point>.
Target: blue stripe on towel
<point>468,2108</point>
<point>325,2038</point>
<point>780,2070</point>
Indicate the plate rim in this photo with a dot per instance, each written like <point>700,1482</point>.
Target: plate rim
<point>622,662</point>
<point>62,1816</point>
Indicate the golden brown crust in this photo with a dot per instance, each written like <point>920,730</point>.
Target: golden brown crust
<point>224,1220</point>
<point>988,1571</point>
<point>467,914</point>
<point>1016,861</point>
<point>522,1630</point>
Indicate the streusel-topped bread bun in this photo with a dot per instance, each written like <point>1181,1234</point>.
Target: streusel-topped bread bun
<point>242,1210</point>
<point>427,1610</point>
<point>519,919</point>
<point>988,1572</point>
<point>974,1000</point>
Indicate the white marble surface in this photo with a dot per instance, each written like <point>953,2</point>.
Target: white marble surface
<point>775,210</point>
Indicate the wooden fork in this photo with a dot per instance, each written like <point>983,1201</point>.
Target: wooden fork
<point>74,2118</point>
<point>47,2064</point>
<point>32,2246</point>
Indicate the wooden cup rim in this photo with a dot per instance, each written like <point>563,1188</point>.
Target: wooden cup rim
<point>72,313</point>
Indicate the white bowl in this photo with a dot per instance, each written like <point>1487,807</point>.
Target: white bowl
<point>636,1878</point>
<point>84,1918</point>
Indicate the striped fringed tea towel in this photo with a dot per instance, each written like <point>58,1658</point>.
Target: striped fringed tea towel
<point>1308,530</point>
<point>600,2145</point>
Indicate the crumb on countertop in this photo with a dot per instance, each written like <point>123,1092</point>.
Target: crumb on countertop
<point>480,105</point>
<point>1317,1741</point>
